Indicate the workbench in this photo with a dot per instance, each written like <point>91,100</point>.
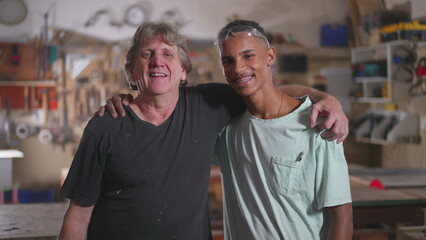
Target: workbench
<point>6,157</point>
<point>31,221</point>
<point>371,206</point>
<point>402,201</point>
<point>411,233</point>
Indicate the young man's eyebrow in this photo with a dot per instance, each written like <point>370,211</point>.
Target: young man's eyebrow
<point>240,53</point>
<point>246,51</point>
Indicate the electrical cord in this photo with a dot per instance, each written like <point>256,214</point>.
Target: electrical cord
<point>404,58</point>
<point>418,87</point>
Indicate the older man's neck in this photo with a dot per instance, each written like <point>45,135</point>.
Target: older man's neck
<point>154,110</point>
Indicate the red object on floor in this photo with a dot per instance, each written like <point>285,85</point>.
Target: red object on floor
<point>376,183</point>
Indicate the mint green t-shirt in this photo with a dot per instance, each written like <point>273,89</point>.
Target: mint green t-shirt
<point>278,176</point>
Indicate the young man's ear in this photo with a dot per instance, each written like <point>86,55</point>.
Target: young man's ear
<point>271,54</point>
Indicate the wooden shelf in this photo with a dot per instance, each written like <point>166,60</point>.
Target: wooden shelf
<point>384,127</point>
<point>373,100</point>
<point>31,83</point>
<point>371,79</point>
<point>372,141</point>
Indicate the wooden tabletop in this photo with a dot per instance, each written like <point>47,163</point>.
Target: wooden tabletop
<point>43,220</point>
<point>366,196</point>
<point>393,177</point>
<point>420,192</point>
<point>38,220</point>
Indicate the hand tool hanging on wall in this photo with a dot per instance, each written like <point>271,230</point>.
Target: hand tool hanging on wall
<point>77,104</point>
<point>38,66</point>
<point>45,104</point>
<point>46,44</point>
<point>7,122</point>
<point>418,87</point>
<point>34,100</point>
<point>62,84</point>
<point>15,58</point>
<point>26,99</point>
<point>40,56</point>
<point>92,100</point>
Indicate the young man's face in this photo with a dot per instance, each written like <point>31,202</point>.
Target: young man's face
<point>246,62</point>
<point>158,69</point>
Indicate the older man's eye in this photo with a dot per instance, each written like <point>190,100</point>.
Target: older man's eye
<point>168,54</point>
<point>146,54</point>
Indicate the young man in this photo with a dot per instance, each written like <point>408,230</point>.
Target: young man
<point>281,179</point>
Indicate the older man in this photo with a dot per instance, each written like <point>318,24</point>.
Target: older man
<point>145,176</point>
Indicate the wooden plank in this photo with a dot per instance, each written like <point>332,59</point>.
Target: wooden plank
<point>369,6</point>
<point>38,220</point>
<point>365,196</point>
<point>411,233</point>
<point>355,21</point>
<point>393,177</point>
<point>420,192</point>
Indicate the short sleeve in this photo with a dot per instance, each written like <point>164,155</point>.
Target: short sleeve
<point>83,182</point>
<point>332,177</point>
<point>220,150</point>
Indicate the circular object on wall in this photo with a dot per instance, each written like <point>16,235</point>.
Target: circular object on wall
<point>22,131</point>
<point>45,136</point>
<point>12,12</point>
<point>135,15</point>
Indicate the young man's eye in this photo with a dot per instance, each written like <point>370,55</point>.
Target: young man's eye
<point>226,61</point>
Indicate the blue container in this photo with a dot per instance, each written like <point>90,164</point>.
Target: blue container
<point>7,196</point>
<point>334,35</point>
<point>36,196</point>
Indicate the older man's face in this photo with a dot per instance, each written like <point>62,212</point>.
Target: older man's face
<point>158,69</point>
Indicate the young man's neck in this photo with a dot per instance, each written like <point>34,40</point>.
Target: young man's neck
<point>270,104</point>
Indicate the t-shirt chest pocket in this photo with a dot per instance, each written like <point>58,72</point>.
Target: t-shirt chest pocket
<point>286,171</point>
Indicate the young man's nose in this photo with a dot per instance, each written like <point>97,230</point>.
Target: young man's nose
<point>239,66</point>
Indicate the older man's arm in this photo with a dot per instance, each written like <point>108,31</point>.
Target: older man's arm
<point>76,222</point>
<point>327,106</point>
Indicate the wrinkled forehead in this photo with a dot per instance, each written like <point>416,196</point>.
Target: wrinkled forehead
<point>156,39</point>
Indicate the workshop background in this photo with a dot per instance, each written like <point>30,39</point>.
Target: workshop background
<point>60,61</point>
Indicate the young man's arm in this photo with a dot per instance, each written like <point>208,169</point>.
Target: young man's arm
<point>336,122</point>
<point>341,225</point>
<point>76,222</point>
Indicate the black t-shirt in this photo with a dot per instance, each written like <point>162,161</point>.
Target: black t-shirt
<point>147,181</point>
